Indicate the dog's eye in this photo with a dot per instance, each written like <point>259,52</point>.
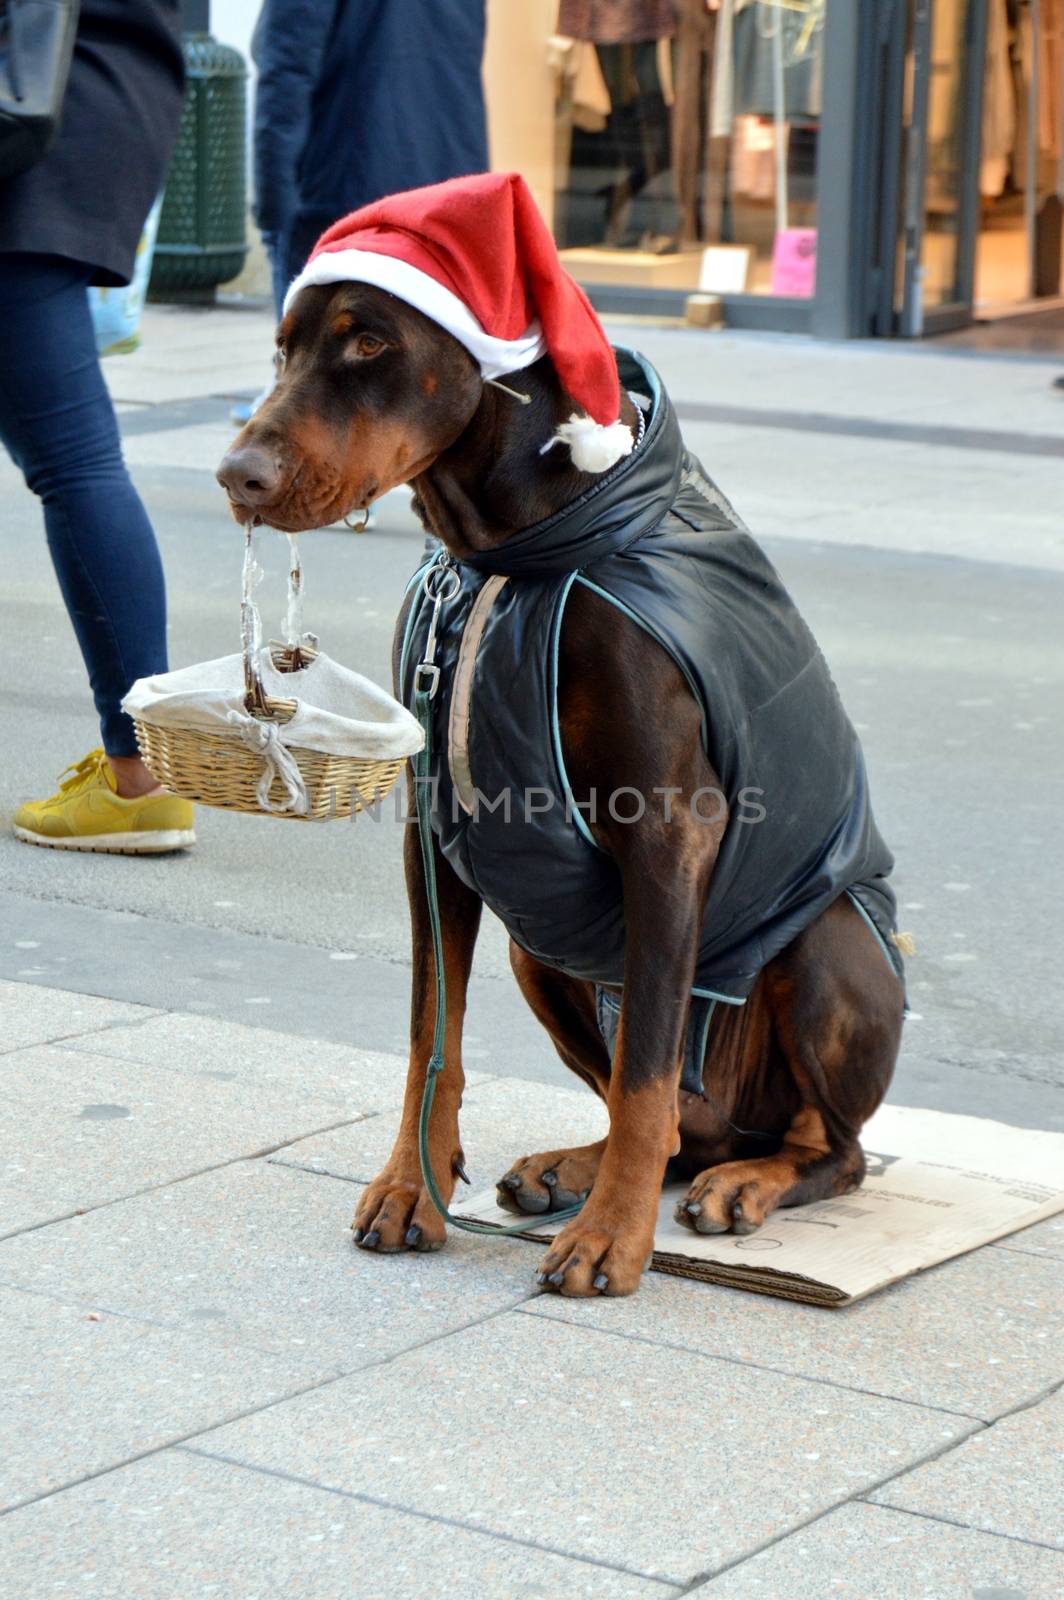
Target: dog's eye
<point>367,345</point>
<point>280,355</point>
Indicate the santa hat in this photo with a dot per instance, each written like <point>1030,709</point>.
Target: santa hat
<point>475,255</point>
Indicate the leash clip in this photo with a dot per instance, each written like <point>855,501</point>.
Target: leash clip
<point>426,679</point>
<point>441,583</point>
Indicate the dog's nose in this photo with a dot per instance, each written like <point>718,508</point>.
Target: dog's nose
<point>249,475</point>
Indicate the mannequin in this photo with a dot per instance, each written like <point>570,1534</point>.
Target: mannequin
<point>642,208</point>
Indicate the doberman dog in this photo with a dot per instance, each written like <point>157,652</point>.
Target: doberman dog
<point>373,394</point>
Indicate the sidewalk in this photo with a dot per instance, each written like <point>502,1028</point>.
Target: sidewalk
<point>814,441</point>
<point>209,1392</point>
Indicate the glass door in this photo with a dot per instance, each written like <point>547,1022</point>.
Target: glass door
<point>940,132</point>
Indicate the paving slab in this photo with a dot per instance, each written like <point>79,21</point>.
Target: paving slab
<point>1008,1479</point>
<point>84,1390</point>
<point>261,1059</point>
<point>200,447</point>
<point>1044,1239</point>
<point>79,1129</point>
<point>977,1335</point>
<point>861,1550</point>
<point>189,352</point>
<point>501,1120</point>
<point>670,1462</point>
<point>21,1209</point>
<point>30,1014</point>
<point>262,1256</point>
<point>178,1524</point>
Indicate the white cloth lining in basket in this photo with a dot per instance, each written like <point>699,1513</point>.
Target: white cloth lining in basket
<point>338,712</point>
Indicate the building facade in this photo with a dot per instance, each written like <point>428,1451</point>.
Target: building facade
<point>841,167</point>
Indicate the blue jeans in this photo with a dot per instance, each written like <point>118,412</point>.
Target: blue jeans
<point>277,256</point>
<point>59,427</point>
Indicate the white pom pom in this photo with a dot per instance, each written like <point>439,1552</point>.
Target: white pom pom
<point>594,446</point>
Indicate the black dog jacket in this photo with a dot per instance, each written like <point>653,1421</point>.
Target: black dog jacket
<point>658,540</point>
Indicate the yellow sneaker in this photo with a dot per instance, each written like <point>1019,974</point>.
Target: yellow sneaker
<point>89,814</point>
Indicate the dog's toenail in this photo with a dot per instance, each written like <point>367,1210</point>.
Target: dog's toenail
<point>413,1234</point>
<point>601,1282</point>
<point>513,1182</point>
<point>550,1179</point>
<point>556,1277</point>
<point>541,1277</point>
<point>372,1239</point>
<point>694,1208</point>
<point>358,1235</point>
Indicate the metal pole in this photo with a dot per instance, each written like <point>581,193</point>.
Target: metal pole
<point>780,121</point>
<point>1060,131</point>
<point>915,218</point>
<point>1030,188</point>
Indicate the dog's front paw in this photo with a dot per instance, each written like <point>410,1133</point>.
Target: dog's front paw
<point>590,1257</point>
<point>396,1213</point>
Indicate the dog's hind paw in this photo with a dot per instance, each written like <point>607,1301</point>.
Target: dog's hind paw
<point>551,1181</point>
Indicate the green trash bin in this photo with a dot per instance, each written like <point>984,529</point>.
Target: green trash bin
<point>202,239</point>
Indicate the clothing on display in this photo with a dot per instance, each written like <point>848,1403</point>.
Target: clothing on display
<point>768,61</point>
<point>687,123</point>
<point>1015,59</point>
<point>643,209</point>
<point>767,57</point>
<point>617,21</point>
<point>766,101</point>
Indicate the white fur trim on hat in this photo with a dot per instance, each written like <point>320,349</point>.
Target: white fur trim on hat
<point>594,446</point>
<point>495,357</point>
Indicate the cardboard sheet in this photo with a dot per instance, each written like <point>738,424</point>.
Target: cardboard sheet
<point>937,1186</point>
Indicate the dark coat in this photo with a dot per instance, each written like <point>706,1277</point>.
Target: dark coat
<point>87,200</point>
<point>357,99</point>
<point>658,540</point>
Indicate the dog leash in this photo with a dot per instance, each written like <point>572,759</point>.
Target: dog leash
<point>441,583</point>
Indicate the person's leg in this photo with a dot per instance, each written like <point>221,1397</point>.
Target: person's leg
<point>242,411</point>
<point>277,255</point>
<point>58,424</point>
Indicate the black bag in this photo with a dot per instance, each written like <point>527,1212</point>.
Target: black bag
<point>36,46</point>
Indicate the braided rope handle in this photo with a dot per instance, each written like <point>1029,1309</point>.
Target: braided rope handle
<point>299,647</point>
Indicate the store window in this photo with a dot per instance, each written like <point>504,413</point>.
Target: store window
<point>686,142</point>
<point>1021,178</point>
<point>934,118</point>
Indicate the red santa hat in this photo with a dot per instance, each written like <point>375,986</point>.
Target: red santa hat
<point>475,255</point>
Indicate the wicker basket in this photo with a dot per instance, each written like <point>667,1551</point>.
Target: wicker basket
<point>222,769</point>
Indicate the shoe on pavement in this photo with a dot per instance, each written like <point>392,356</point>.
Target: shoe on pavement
<point>88,813</point>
